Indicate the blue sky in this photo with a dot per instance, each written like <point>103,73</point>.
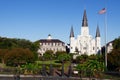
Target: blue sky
<point>35,19</point>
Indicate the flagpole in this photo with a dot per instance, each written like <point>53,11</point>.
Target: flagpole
<point>103,11</point>
<point>106,39</point>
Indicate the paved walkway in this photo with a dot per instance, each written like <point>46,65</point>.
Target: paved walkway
<point>39,77</point>
<point>11,75</point>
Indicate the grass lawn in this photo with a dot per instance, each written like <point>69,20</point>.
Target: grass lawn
<point>48,62</point>
<point>55,62</point>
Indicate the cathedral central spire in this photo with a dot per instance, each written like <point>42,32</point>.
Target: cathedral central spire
<point>84,22</point>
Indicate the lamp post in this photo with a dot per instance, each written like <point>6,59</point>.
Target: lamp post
<point>43,68</point>
<point>17,76</point>
<point>51,68</point>
<point>70,70</point>
<point>62,71</point>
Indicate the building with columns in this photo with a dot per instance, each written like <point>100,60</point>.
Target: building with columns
<point>85,43</point>
<point>50,44</point>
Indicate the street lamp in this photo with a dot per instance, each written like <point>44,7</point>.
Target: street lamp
<point>51,68</point>
<point>62,71</point>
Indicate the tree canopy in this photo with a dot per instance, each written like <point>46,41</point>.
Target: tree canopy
<point>114,56</point>
<point>11,43</point>
<point>18,56</point>
<point>48,55</point>
<point>116,43</point>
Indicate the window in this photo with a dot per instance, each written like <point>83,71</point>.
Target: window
<point>84,47</point>
<point>51,44</point>
<point>60,49</point>
<point>43,49</point>
<point>40,43</point>
<point>58,44</point>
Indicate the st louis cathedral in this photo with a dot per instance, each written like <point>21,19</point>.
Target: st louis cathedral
<point>85,43</point>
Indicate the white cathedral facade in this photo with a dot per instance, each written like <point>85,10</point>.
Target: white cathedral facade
<point>85,43</point>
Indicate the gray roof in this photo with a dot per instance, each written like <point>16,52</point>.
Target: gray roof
<point>84,22</point>
<point>50,41</point>
<point>97,32</point>
<point>71,32</point>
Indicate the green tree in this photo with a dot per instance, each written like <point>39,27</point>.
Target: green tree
<point>116,43</point>
<point>11,43</point>
<point>82,58</point>
<point>59,53</point>
<point>31,68</point>
<point>91,66</point>
<point>114,56</point>
<point>48,55</point>
<point>114,59</point>
<point>3,52</point>
<point>64,57</point>
<point>5,43</point>
<point>18,56</point>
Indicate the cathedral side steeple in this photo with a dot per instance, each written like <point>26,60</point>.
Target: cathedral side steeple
<point>97,32</point>
<point>98,40</point>
<point>84,21</point>
<point>71,32</point>
<point>72,41</point>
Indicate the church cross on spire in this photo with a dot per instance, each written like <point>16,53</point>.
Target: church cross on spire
<point>84,22</point>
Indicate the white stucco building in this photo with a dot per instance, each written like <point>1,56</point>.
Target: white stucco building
<point>50,44</point>
<point>109,47</point>
<point>85,43</point>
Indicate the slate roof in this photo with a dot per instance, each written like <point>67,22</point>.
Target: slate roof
<point>50,41</point>
<point>84,22</point>
<point>97,32</point>
<point>72,32</point>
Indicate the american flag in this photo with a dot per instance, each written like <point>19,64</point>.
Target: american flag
<point>102,11</point>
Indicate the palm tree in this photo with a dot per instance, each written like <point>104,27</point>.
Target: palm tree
<point>95,66</point>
